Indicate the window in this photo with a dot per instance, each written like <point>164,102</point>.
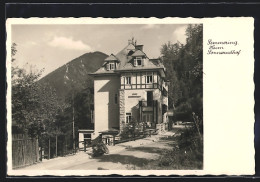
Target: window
<point>110,66</point>
<point>138,61</point>
<point>87,136</point>
<point>128,80</point>
<point>116,98</point>
<point>128,117</point>
<point>149,79</point>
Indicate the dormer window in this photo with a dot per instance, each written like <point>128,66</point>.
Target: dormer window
<point>110,66</point>
<point>138,61</point>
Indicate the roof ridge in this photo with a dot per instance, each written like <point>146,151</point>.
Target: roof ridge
<point>110,57</point>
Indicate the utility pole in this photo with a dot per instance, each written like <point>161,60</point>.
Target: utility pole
<point>73,123</point>
<point>49,154</point>
<point>56,145</point>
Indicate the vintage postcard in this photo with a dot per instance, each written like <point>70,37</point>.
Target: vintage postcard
<point>130,96</point>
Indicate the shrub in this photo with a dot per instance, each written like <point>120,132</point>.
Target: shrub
<point>131,130</point>
<point>190,140</point>
<point>98,147</point>
<point>186,154</point>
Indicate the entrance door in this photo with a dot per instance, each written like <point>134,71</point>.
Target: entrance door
<point>148,119</point>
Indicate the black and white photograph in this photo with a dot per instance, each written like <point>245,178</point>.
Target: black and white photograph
<point>107,96</point>
<point>130,96</point>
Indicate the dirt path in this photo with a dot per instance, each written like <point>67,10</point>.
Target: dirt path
<point>128,155</point>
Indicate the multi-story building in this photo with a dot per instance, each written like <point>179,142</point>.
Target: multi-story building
<point>129,86</point>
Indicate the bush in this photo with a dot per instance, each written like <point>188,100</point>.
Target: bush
<point>131,130</point>
<point>125,133</point>
<point>98,147</point>
<point>187,154</point>
<point>190,140</point>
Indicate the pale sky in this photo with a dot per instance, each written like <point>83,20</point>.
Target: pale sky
<point>51,46</point>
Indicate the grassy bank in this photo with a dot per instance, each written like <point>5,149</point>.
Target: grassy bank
<point>185,153</point>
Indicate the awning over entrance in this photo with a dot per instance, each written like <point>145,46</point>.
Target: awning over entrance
<point>85,131</point>
<point>108,136</point>
<point>110,132</point>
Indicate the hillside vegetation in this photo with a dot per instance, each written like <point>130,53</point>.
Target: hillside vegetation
<point>74,75</point>
<point>184,64</point>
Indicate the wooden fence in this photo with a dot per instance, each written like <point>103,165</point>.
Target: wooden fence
<point>25,151</point>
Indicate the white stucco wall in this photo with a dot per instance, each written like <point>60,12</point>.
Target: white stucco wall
<point>137,95</point>
<point>81,138</point>
<point>132,98</point>
<point>165,100</point>
<point>157,95</point>
<point>106,110</point>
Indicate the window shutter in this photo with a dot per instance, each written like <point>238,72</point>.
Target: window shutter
<point>135,62</point>
<point>107,65</point>
<point>142,62</point>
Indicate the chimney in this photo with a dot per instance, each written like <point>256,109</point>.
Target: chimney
<point>139,47</point>
<point>129,41</point>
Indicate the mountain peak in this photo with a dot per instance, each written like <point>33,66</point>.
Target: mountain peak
<point>75,73</point>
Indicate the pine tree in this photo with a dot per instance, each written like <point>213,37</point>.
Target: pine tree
<point>185,71</point>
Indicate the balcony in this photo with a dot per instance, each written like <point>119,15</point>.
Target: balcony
<point>140,86</point>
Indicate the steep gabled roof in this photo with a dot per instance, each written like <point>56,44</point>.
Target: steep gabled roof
<point>123,55</point>
<point>124,58</point>
<point>138,53</point>
<point>157,62</point>
<point>102,70</point>
<point>154,64</point>
<point>112,57</point>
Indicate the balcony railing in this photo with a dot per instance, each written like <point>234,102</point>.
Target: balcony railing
<point>140,86</point>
